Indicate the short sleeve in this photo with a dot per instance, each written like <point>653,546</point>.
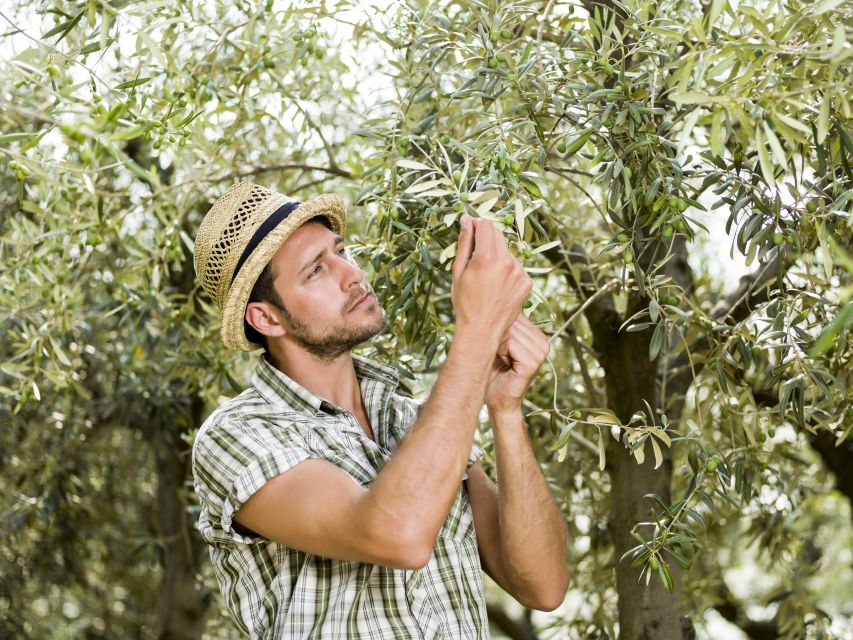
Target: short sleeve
<point>233,461</point>
<point>414,408</point>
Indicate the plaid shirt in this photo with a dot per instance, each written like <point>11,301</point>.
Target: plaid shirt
<point>273,591</point>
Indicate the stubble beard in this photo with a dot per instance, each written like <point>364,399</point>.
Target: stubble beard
<point>329,342</point>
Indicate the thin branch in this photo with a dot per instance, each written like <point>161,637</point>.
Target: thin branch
<point>594,397</point>
<point>733,611</point>
<point>59,53</point>
<point>512,629</point>
<point>335,171</point>
<point>579,186</point>
<point>601,312</point>
<point>753,290</point>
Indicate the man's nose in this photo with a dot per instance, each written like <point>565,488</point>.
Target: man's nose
<point>352,273</point>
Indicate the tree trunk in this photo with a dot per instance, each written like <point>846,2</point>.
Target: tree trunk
<point>645,612</point>
<point>182,601</point>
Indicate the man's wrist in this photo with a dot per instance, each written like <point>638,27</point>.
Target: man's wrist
<point>476,340</point>
<point>504,415</point>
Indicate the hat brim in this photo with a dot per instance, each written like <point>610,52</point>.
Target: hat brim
<point>329,206</point>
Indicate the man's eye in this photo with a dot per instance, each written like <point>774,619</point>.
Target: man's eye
<point>315,270</point>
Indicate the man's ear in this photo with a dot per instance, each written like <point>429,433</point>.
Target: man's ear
<point>263,318</point>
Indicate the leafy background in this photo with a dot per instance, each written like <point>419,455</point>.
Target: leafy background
<point>675,175</point>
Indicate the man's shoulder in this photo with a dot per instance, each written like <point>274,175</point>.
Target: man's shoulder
<point>247,412</point>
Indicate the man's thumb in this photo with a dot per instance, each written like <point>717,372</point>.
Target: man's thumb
<point>464,246</point>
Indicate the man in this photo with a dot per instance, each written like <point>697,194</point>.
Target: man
<point>333,506</point>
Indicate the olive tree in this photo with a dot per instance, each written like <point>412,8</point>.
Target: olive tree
<point>688,425</point>
<point>604,137</point>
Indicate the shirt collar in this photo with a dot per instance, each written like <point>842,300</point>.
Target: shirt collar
<point>277,387</point>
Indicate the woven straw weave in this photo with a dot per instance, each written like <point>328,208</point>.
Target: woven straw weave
<point>230,223</point>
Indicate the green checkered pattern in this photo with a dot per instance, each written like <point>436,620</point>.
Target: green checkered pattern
<point>273,591</point>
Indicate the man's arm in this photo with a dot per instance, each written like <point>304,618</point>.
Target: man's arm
<point>523,540</point>
<point>520,530</point>
<point>317,507</point>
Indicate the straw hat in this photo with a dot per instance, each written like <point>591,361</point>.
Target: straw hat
<point>239,236</point>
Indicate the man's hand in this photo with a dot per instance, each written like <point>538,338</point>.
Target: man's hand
<point>489,283</point>
<point>520,354</point>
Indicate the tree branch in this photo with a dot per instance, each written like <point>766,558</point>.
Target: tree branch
<point>600,313</point>
<point>514,630</point>
<point>280,167</point>
<point>753,290</point>
<point>837,458</point>
<point>733,611</point>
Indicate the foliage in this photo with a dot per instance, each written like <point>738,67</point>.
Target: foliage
<point>618,145</point>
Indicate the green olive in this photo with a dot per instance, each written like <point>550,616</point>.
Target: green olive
<point>457,176</point>
<point>508,219</point>
<point>628,257</point>
<point>561,147</point>
<point>622,238</point>
<point>506,34</point>
<point>667,230</point>
<point>778,237</point>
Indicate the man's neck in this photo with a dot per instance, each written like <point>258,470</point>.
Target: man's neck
<point>334,381</point>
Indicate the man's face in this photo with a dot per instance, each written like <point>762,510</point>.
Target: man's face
<point>319,283</point>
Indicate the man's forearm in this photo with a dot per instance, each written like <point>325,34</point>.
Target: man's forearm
<point>533,534</point>
<point>417,486</point>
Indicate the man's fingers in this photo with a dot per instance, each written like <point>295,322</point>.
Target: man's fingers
<point>464,246</point>
<point>523,330</point>
<point>485,238</point>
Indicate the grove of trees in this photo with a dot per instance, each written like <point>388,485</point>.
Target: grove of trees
<point>696,429</point>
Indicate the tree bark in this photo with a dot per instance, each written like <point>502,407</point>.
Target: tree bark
<point>182,601</point>
<point>645,612</point>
